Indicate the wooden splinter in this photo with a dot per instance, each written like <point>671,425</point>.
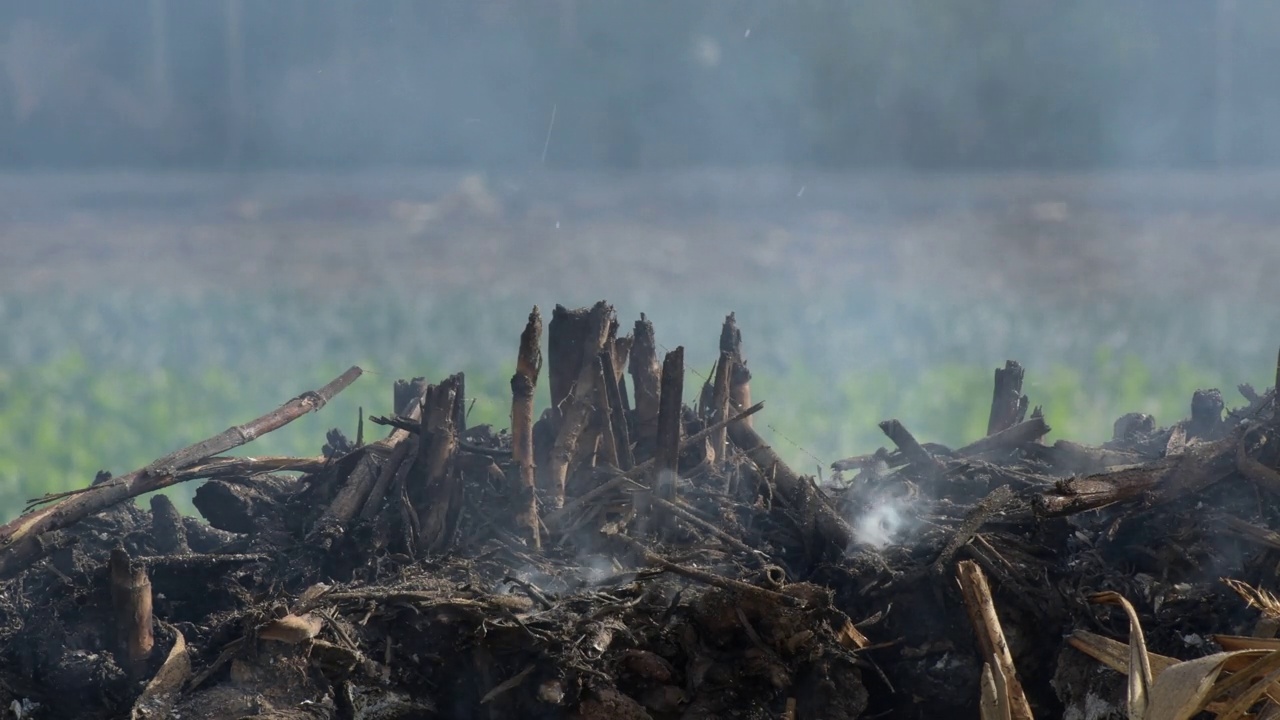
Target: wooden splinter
<point>991,640</point>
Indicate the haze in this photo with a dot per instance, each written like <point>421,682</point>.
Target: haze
<point>895,197</point>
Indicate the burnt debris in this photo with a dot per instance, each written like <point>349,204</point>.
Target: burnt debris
<point>626,556</point>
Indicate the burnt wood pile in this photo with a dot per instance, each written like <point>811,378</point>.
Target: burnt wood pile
<point>625,555</point>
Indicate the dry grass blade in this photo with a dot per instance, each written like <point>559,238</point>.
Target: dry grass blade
<point>1115,654</point>
<point>162,691</point>
<point>1271,665</point>
<point>1243,671</point>
<point>1140,679</point>
<point>1185,689</point>
<point>1244,642</point>
<point>1255,597</point>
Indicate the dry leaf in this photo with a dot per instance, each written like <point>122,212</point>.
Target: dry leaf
<point>1139,661</point>
<point>160,694</point>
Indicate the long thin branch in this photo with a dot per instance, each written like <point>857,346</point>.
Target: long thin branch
<point>18,537</point>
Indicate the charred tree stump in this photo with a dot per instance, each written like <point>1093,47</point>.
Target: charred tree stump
<point>439,500</point>
<point>646,375</point>
<point>407,391</point>
<point>131,603</point>
<point>364,490</point>
<point>579,404</point>
<point>667,452</point>
<point>1206,414</point>
<point>1008,404</point>
<point>740,377</point>
<point>523,385</point>
<point>167,532</point>
<point>238,506</point>
<point>567,332</point>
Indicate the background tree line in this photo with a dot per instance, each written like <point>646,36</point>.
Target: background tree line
<point>640,83</point>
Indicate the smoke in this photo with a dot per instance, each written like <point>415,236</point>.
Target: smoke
<point>881,525</point>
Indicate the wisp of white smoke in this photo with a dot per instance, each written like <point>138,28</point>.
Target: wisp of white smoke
<point>880,525</point>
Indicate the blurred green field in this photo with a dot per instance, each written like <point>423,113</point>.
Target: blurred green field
<point>112,382</point>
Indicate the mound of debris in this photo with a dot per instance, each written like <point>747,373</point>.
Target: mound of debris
<point>628,556</point>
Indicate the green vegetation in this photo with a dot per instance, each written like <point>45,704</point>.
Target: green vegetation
<point>64,419</point>
<point>114,379</point>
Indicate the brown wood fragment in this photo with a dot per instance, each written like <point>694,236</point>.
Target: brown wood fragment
<point>1248,531</point>
<point>906,442</point>
<point>646,376</point>
<point>1008,404</point>
<point>613,399</point>
<point>131,602</point>
<point>1005,440</point>
<point>720,405</point>
<point>670,425</point>
<point>973,522</point>
<point>991,640</point>
<point>1160,481</point>
<point>523,385</point>
<point>579,405</point>
<point>363,490</point>
<point>18,537</point>
<point>400,455</point>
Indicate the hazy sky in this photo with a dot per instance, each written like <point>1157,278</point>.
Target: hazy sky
<point>630,83</point>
